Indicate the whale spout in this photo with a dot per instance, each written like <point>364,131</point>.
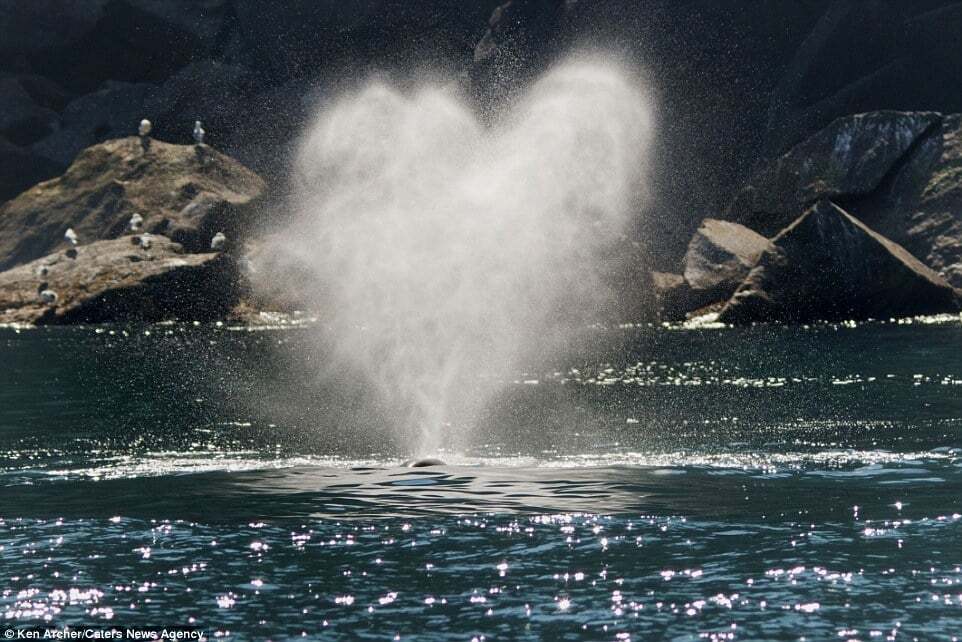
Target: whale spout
<point>422,463</point>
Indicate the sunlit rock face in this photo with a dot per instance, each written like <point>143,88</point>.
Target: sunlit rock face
<point>135,278</point>
<point>827,265</point>
<point>443,248</point>
<point>179,194</point>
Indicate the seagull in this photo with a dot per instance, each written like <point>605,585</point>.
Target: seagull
<point>199,132</point>
<point>135,222</point>
<point>70,236</point>
<point>145,241</point>
<point>145,127</point>
<point>48,296</point>
<point>218,242</point>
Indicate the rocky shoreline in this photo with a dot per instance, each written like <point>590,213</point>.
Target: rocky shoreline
<point>138,229</point>
<point>894,249</point>
<point>847,108</point>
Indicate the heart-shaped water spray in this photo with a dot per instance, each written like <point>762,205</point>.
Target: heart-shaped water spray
<point>445,250</point>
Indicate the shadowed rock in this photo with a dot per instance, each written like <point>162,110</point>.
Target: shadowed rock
<point>82,44</point>
<point>179,194</point>
<point>827,265</point>
<point>900,173</point>
<point>921,206</point>
<point>849,158</point>
<point>719,256</point>
<point>21,168</point>
<point>112,111</point>
<point>24,119</point>
<point>119,280</point>
<point>673,295</point>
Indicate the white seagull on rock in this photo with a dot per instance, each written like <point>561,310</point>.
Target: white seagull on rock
<point>48,296</point>
<point>199,132</point>
<point>135,222</point>
<point>218,242</point>
<point>70,236</point>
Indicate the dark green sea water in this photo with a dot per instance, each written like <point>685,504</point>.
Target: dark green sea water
<point>677,484</point>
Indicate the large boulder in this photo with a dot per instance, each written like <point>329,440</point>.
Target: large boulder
<point>848,159</point>
<point>185,192</point>
<point>897,172</point>
<point>119,280</point>
<point>719,256</point>
<point>827,265</point>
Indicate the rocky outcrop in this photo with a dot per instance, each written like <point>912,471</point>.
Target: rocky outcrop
<point>719,256</point>
<point>829,266</point>
<point>921,206</point>
<point>900,173</point>
<point>848,159</point>
<point>673,296</point>
<point>187,193</point>
<point>123,279</point>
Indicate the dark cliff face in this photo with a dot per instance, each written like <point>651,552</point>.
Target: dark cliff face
<point>738,82</point>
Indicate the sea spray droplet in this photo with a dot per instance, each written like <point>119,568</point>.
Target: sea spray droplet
<point>444,248</point>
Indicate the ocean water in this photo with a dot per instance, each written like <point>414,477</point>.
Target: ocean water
<point>652,483</point>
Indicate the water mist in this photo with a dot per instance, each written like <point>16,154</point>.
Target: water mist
<point>444,250</point>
